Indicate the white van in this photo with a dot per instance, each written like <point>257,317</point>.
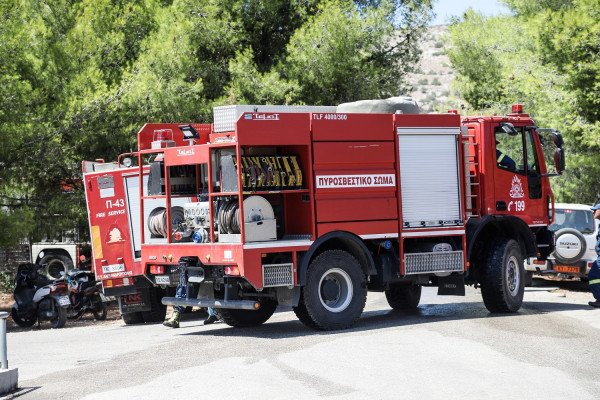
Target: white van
<point>575,231</point>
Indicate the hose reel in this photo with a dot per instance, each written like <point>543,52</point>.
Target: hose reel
<point>157,221</point>
<point>259,219</point>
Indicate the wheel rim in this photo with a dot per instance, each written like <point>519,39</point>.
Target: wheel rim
<point>512,275</point>
<point>335,290</point>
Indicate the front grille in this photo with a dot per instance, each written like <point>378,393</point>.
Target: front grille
<point>443,261</point>
<point>278,274</point>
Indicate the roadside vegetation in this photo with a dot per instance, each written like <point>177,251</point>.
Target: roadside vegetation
<point>79,78</point>
<point>545,56</point>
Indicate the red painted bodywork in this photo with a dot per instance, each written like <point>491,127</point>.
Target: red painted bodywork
<point>347,147</point>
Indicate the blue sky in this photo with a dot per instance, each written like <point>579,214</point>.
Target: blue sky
<point>448,8</point>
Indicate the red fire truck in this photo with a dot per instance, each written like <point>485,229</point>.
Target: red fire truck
<point>279,206</point>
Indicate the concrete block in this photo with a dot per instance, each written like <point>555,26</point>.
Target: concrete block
<point>9,380</point>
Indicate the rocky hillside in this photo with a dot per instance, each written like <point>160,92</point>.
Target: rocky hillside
<point>431,80</point>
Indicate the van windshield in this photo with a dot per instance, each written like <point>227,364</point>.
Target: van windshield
<point>581,220</point>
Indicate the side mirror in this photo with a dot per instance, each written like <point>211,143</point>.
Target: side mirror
<point>557,139</point>
<point>559,158</point>
<point>509,128</point>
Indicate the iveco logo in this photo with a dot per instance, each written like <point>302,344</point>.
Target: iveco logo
<point>189,152</point>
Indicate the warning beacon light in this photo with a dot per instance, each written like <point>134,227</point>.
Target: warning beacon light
<point>517,108</point>
<point>162,138</point>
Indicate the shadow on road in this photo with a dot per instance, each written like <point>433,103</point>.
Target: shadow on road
<point>21,391</point>
<point>387,318</point>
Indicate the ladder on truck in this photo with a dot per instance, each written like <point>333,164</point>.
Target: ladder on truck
<point>473,187</point>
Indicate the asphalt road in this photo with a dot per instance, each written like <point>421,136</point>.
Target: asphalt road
<point>451,348</point>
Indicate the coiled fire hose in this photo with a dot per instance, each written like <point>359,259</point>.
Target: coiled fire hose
<point>157,220</point>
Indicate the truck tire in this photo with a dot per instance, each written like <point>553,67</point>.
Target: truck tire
<point>503,286</point>
<point>132,318</point>
<point>158,311</point>
<point>303,315</point>
<point>570,245</point>
<point>336,292</point>
<point>247,318</point>
<point>403,297</point>
<point>56,264</point>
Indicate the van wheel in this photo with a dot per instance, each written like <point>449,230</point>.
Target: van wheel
<point>502,286</point>
<point>570,245</point>
<point>335,293</point>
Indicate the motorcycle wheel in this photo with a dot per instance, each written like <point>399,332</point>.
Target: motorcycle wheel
<point>22,322</point>
<point>99,309</point>
<point>61,316</point>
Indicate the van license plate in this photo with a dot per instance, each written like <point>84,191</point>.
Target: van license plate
<point>566,269</point>
<point>162,280</point>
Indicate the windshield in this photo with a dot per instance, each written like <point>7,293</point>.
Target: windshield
<point>581,220</point>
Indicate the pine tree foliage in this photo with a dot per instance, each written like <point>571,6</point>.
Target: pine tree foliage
<point>545,56</point>
<point>78,78</point>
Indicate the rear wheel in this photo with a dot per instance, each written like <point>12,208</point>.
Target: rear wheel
<point>404,297</point>
<point>99,308</point>
<point>335,293</point>
<point>23,322</point>
<point>132,318</point>
<point>502,286</point>
<point>157,309</point>
<point>246,318</point>
<point>61,316</point>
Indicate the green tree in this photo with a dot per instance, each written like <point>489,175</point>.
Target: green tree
<point>542,56</point>
<point>78,78</point>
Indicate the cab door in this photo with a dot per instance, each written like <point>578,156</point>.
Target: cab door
<point>518,183</point>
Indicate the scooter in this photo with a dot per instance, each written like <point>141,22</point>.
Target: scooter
<point>37,298</point>
<point>84,295</point>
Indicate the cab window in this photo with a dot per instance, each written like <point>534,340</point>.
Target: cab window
<point>509,150</point>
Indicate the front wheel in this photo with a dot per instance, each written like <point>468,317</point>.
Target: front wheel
<point>99,308</point>
<point>335,293</point>
<point>23,322</point>
<point>61,316</point>
<point>503,286</point>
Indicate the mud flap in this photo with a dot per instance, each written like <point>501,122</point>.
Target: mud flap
<point>139,301</point>
<point>452,285</point>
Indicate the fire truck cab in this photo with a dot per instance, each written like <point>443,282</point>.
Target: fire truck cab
<point>313,209</point>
